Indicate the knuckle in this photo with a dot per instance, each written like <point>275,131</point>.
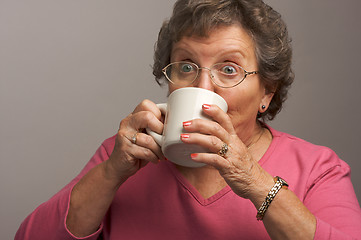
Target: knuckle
<point>148,140</point>
<point>121,132</point>
<point>120,137</point>
<point>148,116</point>
<point>145,103</point>
<point>147,154</point>
<point>216,128</point>
<point>214,140</point>
<point>151,122</point>
<point>125,122</point>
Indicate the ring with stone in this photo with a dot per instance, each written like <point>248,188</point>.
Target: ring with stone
<point>223,151</point>
<point>134,138</point>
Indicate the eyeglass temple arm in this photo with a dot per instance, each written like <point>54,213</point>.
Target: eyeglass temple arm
<point>250,73</point>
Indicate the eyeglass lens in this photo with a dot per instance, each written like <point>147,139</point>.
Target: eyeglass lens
<point>223,74</point>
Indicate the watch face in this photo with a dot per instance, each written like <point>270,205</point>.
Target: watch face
<point>284,183</point>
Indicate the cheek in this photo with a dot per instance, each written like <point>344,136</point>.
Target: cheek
<point>242,106</point>
<point>172,88</point>
<point>236,100</point>
<point>236,105</point>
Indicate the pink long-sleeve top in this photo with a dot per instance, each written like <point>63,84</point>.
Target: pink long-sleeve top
<point>159,203</point>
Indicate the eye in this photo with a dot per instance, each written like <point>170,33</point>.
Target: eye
<point>229,69</point>
<point>186,67</point>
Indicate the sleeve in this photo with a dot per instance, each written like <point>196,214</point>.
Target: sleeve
<point>48,221</point>
<point>332,199</point>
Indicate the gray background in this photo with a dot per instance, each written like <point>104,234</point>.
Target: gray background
<point>71,70</point>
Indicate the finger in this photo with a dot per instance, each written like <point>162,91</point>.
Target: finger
<point>207,127</point>
<point>141,153</point>
<point>211,159</point>
<point>218,115</point>
<point>147,105</point>
<point>212,143</point>
<point>146,141</point>
<point>124,157</point>
<point>148,108</point>
<point>139,120</point>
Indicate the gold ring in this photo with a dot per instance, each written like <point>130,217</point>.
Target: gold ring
<point>223,151</point>
<point>134,138</point>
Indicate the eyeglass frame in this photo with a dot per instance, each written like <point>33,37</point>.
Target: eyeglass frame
<point>246,73</point>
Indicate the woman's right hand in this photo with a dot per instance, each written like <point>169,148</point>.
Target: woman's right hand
<point>128,157</point>
<point>95,191</point>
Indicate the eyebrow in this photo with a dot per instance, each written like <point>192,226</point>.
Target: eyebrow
<point>222,53</point>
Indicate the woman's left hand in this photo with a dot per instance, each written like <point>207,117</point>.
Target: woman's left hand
<point>241,172</point>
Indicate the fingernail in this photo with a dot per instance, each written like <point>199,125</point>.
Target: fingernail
<point>206,106</point>
<point>184,136</point>
<point>186,124</point>
<point>194,155</point>
<point>166,159</point>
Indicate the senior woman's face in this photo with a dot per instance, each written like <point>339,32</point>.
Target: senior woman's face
<point>226,44</point>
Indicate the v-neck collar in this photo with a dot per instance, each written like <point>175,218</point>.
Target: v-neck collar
<point>193,191</point>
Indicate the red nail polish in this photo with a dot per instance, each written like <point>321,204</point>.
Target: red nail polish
<point>184,136</point>
<point>206,106</point>
<point>186,124</point>
<point>194,155</point>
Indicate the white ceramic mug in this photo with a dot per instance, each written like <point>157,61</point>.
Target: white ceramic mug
<point>184,104</point>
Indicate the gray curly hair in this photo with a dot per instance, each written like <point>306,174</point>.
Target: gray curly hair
<point>265,26</point>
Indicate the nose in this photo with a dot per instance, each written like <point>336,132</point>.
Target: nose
<point>204,79</point>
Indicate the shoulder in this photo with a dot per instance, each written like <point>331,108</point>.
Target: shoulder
<point>301,160</point>
<point>290,145</point>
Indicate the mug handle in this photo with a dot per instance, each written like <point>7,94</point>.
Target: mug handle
<point>158,137</point>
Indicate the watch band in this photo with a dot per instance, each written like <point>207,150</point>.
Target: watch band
<point>279,183</point>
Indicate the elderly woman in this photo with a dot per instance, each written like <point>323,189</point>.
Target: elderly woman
<point>240,50</point>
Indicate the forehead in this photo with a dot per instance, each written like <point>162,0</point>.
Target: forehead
<point>219,40</point>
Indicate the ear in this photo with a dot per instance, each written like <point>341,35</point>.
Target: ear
<point>265,101</point>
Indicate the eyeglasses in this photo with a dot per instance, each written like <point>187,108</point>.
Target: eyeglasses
<point>225,75</point>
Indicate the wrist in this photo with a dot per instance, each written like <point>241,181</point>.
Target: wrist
<point>261,189</point>
<point>111,173</point>
<point>279,183</point>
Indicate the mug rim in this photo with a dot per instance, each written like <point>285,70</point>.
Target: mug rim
<point>202,90</point>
